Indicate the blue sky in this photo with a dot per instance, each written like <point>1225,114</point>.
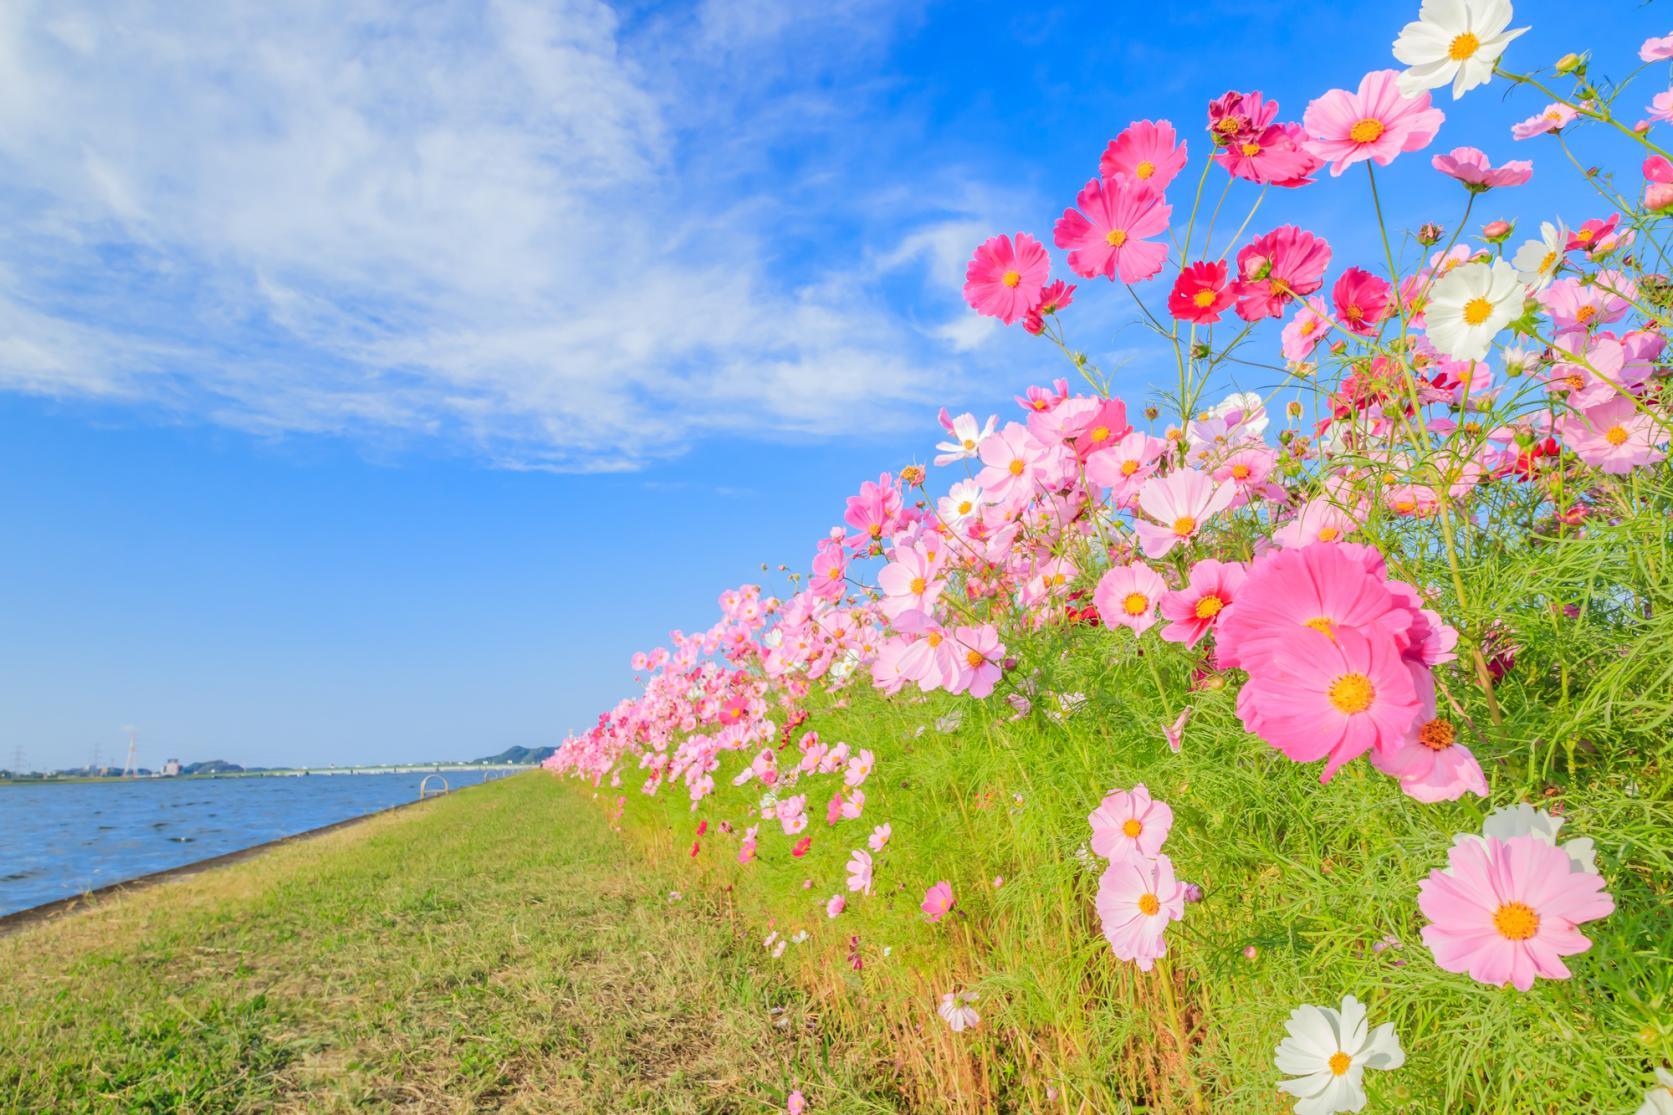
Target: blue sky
<point>375,378</point>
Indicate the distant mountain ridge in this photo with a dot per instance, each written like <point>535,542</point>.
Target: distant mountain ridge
<point>520,755</point>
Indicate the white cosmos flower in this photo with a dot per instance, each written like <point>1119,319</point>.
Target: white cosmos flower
<point>1536,261</point>
<point>1453,40</point>
<point>966,440</point>
<point>1659,1100</point>
<point>1470,304</point>
<point>963,501</point>
<point>1512,821</point>
<point>1327,1052</point>
<point>956,1009</point>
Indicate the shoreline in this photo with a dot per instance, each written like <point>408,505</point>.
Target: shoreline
<point>75,903</point>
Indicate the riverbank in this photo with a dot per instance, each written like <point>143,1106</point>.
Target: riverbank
<point>497,950</point>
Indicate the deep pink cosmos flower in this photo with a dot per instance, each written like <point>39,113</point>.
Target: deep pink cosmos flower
<point>1470,166</point>
<point>1104,430</point>
<point>1429,761</point>
<point>1147,153</point>
<point>1506,911</point>
<point>1374,123</point>
<point>1252,146</point>
<point>1129,825</point>
<point>1592,234</point>
<point>1137,898</point>
<point>1332,698</point>
<point>801,847</point>
<point>1004,278</point>
<point>1107,234</point>
<point>1285,264</point>
<point>1325,588</point>
<point>1361,301</point>
<point>938,901</point>
<point>1054,297</point>
<point>830,570</point>
<point>1127,596</point>
<point>1200,294</point>
<point>1194,610</point>
<point>1182,501</point>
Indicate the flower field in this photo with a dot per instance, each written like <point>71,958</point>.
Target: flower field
<point>1294,737</point>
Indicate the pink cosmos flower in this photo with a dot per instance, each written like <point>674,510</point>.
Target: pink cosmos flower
<point>1656,49</point>
<point>1175,733</point>
<point>1183,501</point>
<point>1429,761</point>
<point>1661,107</point>
<point>1137,898</point>
<point>796,1104</point>
<point>1554,118</point>
<point>1573,304</point>
<point>1375,123</point>
<point>1127,596</point>
<point>1304,332</point>
<point>956,1008</point>
<point>1251,146</point>
<point>938,901</point>
<point>1614,437</point>
<point>911,582</point>
<point>879,838</point>
<point>1325,588</point>
<point>830,570</point>
<point>1017,463</point>
<point>1285,264</point>
<point>1361,301</point>
<point>1107,234</point>
<point>1004,278</point>
<point>1317,520</point>
<point>1200,294</point>
<point>1506,911</point>
<point>801,846</point>
<point>1318,697</point>
<point>1126,465</point>
<point>1195,609</point>
<point>1470,166</point>
<point>980,659</point>
<point>1053,298</point>
<point>836,905</point>
<point>859,871</point>
<point>1107,426</point>
<point>1130,825</point>
<point>1246,470</point>
<point>1146,153</point>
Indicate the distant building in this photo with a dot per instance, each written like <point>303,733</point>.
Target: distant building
<point>171,768</point>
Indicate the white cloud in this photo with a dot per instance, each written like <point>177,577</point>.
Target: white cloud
<point>526,227</point>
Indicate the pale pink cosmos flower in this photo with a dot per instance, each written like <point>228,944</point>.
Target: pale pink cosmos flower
<point>1470,166</point>
<point>1661,107</point>
<point>835,905</point>
<point>1246,470</point>
<point>1304,331</point>
<point>1125,466</point>
<point>859,768</point>
<point>1614,437</point>
<point>1554,118</point>
<point>912,582</point>
<point>1175,732</point>
<point>859,871</point>
<point>1573,304</point>
<point>980,657</point>
<point>1429,761</point>
<point>1130,825</point>
<point>1656,49</point>
<point>1194,610</point>
<point>853,805</point>
<point>1183,501</point>
<point>796,1104</point>
<point>1375,123</point>
<point>956,1009</point>
<point>1507,911</point>
<point>938,901</point>
<point>1017,464</point>
<point>1004,278</point>
<point>879,838</point>
<point>1127,596</point>
<point>1137,898</point>
<point>1322,588</point>
<point>1107,234</point>
<point>1148,153</point>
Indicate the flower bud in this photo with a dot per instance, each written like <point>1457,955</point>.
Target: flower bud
<point>1571,63</point>
<point>1429,234</point>
<point>1497,232</point>
<point>1292,408</point>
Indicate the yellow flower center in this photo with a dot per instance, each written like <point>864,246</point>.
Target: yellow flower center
<point>1351,693</point>
<point>1100,433</point>
<point>1148,905</point>
<point>1116,237</point>
<point>1203,298</point>
<point>1129,467</point>
<point>1322,624</point>
<point>1240,472</point>
<point>968,443</point>
<point>1340,1062</point>
<point>1477,310</point>
<point>1515,921</point>
<point>975,658</point>
<point>1437,735</point>
<point>1328,534</point>
<point>1355,313</point>
<point>1585,314</point>
<point>918,585</point>
<point>1584,236</point>
<point>1250,150</point>
<point>1548,262</point>
<point>1184,526</point>
<point>1012,278</point>
<point>964,507</point>
<point>934,638</point>
<point>1209,607</point>
<point>835,573</point>
<point>1616,435</point>
<point>1135,604</point>
<point>1131,827</point>
<point>1145,169</point>
<point>1017,466</point>
<point>1463,47</point>
<point>1366,130</point>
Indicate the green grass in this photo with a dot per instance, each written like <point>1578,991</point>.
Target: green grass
<point>492,950</point>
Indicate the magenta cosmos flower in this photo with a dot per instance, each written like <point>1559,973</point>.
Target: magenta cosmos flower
<point>1375,123</point>
<point>1200,294</point>
<point>1273,270</point>
<point>1505,911</point>
<point>1429,761</point>
<point>1322,587</point>
<point>938,901</point>
<point>1361,301</point>
<point>1147,153</point>
<point>1106,234</point>
<point>1470,166</point>
<point>1195,609</point>
<point>1182,502</point>
<point>1137,898</point>
<point>1004,278</point>
<point>1130,825</point>
<point>1319,697</point>
<point>1127,595</point>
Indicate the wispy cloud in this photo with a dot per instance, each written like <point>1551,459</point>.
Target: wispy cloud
<point>561,235</point>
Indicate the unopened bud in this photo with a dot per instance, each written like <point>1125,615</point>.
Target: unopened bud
<point>1497,232</point>
<point>1151,413</point>
<point>1293,408</point>
<point>1430,234</point>
<point>1571,63</point>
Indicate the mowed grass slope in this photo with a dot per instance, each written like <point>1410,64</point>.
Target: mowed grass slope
<point>492,950</point>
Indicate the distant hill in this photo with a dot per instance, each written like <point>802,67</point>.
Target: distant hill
<point>212,766</point>
<point>520,755</point>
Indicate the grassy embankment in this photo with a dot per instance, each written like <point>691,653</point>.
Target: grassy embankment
<point>486,951</point>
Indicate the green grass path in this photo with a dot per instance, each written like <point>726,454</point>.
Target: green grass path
<point>490,950</point>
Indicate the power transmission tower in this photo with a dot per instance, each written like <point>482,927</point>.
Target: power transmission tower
<point>130,769</point>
